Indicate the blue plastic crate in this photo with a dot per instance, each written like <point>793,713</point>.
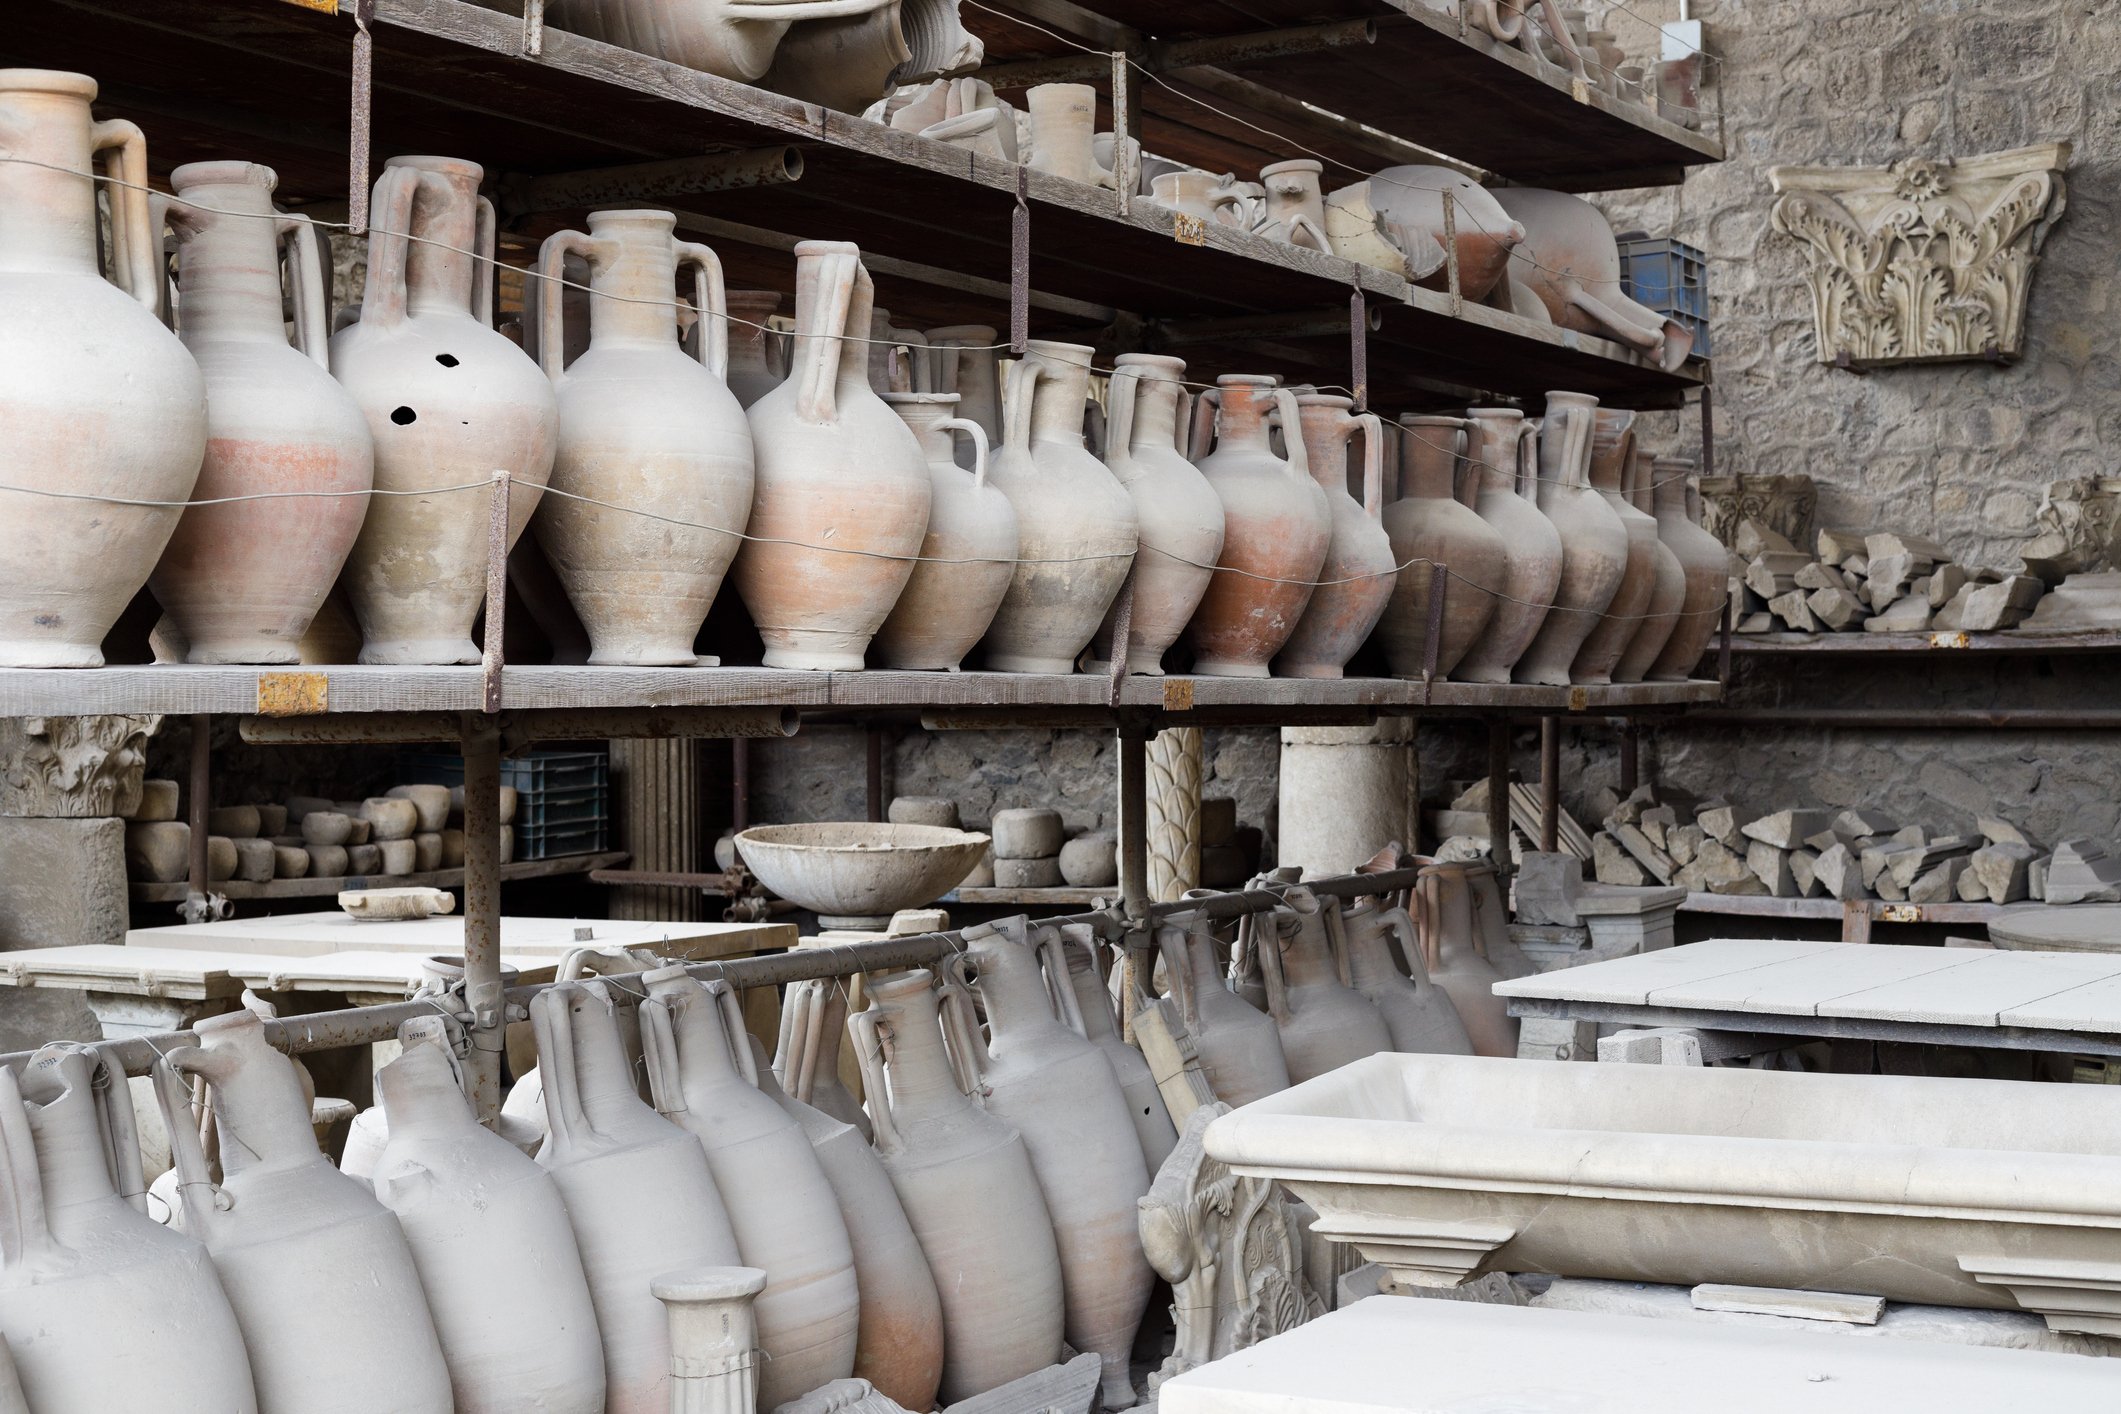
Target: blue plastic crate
<point>563,798</point>
<point>1670,277</point>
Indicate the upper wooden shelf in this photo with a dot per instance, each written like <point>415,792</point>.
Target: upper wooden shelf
<point>1941,643</point>
<point>357,689</point>
<point>268,80</point>
<point>1426,79</point>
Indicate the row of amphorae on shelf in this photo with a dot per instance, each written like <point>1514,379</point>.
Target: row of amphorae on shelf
<point>943,1242</point>
<point>240,476</point>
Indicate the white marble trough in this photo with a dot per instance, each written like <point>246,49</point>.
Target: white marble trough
<point>1947,1192</point>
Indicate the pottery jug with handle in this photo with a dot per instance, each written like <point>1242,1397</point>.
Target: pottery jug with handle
<point>1181,516</point>
<point>1612,456</point>
<point>1238,1044</point>
<point>449,402</point>
<point>1570,262</point>
<point>842,497</point>
<point>813,1023</point>
<point>652,437</point>
<point>756,365</point>
<point>967,1185</point>
<point>787,1222</point>
<point>1454,954</point>
<point>80,352</point>
<point>1498,444</point>
<point>731,39</point>
<point>1594,543</point>
<point>1668,595</point>
<point>1277,526</point>
<point>1419,1014</point>
<point>969,555</point>
<point>242,580</point>
<point>286,1228</point>
<point>1093,1008</point>
<point>1061,1094</point>
<point>1357,579</point>
<point>103,1308</point>
<point>965,360</point>
<point>1325,1023</point>
<point>608,1151</point>
<point>1076,526</point>
<point>899,1347</point>
<point>489,1234</point>
<point>1434,524</point>
<point>1707,566</point>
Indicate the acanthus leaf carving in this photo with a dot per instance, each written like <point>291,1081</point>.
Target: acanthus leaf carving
<point>73,768</point>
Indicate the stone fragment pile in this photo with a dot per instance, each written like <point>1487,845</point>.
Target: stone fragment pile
<point>1869,582</point>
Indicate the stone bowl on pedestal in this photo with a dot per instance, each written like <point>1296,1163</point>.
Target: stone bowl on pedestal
<point>857,874</point>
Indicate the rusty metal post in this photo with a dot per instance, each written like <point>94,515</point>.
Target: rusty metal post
<point>1549,784</point>
<point>492,659</point>
<point>875,774</point>
<point>482,912</point>
<point>1499,799</point>
<point>1630,756</point>
<point>202,801</point>
<point>534,28</point>
<point>1124,176</point>
<point>1450,254</point>
<point>1020,266</point>
<point>1439,576</point>
<point>1359,349</point>
<point>364,58</point>
<point>740,784</point>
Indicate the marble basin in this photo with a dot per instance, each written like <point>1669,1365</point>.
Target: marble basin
<point>1975,1193</point>
<point>857,874</point>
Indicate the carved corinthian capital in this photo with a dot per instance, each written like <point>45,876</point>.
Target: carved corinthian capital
<point>73,767</point>
<point>1924,261</point>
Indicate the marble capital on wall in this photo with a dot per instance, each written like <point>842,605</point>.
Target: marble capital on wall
<point>1927,260</point>
<point>73,768</point>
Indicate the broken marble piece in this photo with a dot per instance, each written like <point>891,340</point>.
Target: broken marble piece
<point>1611,864</point>
<point>2002,605</point>
<point>1838,547</point>
<point>1771,866</point>
<point>1804,872</point>
<point>1762,622</point>
<point>2082,603</point>
<point>2081,871</point>
<point>1658,823</point>
<point>1874,859</point>
<point>1786,829</point>
<point>1855,824</point>
<point>1649,856</point>
<point>1818,576</point>
<point>1945,581</point>
<point>1909,615</point>
<point>1774,573</point>
<point>2001,867</point>
<point>1889,890</point>
<point>1546,889</point>
<point>1939,883</point>
<point>1910,834</point>
<point>1721,824</point>
<point>2036,879</point>
<point>2000,831</point>
<point>1837,608</point>
<point>1913,863</point>
<point>1887,542</point>
<point>1756,538</point>
<point>1823,841</point>
<point>1683,842</point>
<point>1970,887</point>
<point>1948,618</point>
<point>1795,611</point>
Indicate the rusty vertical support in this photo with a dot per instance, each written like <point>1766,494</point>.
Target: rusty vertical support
<point>1549,784</point>
<point>1134,859</point>
<point>875,774</point>
<point>202,801</point>
<point>1499,798</point>
<point>1359,349</point>
<point>1708,433</point>
<point>534,28</point>
<point>1125,177</point>
<point>1723,644</point>
<point>1630,756</point>
<point>1450,254</point>
<point>1432,644</point>
<point>364,62</point>
<point>739,784</point>
<point>493,658</point>
<point>482,912</point>
<point>1020,266</point>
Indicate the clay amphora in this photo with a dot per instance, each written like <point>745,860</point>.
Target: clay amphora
<point>449,402</point>
<point>80,352</point>
<point>1410,199</point>
<point>1418,1013</point>
<point>645,427</point>
<point>1531,546</point>
<point>1454,953</point>
<point>1238,1044</point>
<point>609,1153</point>
<point>1612,455</point>
<point>1181,516</point>
<point>1277,527</point>
<point>1200,194</point>
<point>787,1222</point>
<point>1324,1022</point>
<point>966,1182</point>
<point>1434,524</point>
<point>489,1234</point>
<point>756,354</point>
<point>286,1228</point>
<point>898,358</point>
<point>1295,211</point>
<point>1092,1007</point>
<point>1061,1094</point>
<point>1076,526</point>
<point>1357,231</point>
<point>1357,579</point>
<point>1063,125</point>
<point>969,555</point>
<point>838,471</point>
<point>1661,615</point>
<point>243,580</point>
<point>103,1308</point>
<point>1571,262</point>
<point>1707,566</point>
<point>964,360</point>
<point>900,1331</point>
<point>734,39</point>
<point>813,1022</point>
<point>856,50</point>
<point>1594,544</point>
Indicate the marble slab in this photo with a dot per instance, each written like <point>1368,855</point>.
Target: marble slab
<point>1632,980</point>
<point>315,934</point>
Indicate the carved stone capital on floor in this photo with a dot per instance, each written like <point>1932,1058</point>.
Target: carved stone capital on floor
<point>1927,260</point>
<point>1784,503</point>
<point>2076,529</point>
<point>73,768</point>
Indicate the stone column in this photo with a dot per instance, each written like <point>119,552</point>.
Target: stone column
<point>656,800</point>
<point>1176,767</point>
<point>1346,792</point>
<point>714,1338</point>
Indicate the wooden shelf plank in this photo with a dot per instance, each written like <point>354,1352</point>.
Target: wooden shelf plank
<point>560,865</point>
<point>1941,644</point>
